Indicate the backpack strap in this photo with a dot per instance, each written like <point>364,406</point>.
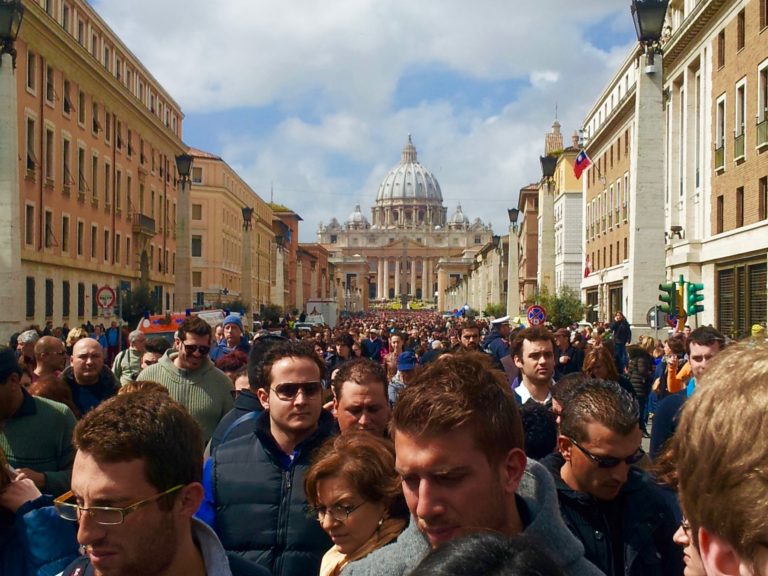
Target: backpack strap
<point>244,418</point>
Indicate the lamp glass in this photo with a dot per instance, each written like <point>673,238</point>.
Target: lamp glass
<point>11,14</point>
<point>513,214</point>
<point>648,16</point>
<point>548,164</point>
<point>184,164</point>
<point>247,214</point>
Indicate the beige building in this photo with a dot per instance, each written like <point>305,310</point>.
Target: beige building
<point>97,140</point>
<point>528,238</point>
<point>486,281</point>
<point>218,196</point>
<point>716,209</point>
<point>410,250</point>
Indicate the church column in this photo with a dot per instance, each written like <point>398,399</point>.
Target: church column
<point>397,278</point>
<point>413,278</point>
<point>442,286</point>
<point>425,295</point>
<point>431,276</point>
<point>380,279</point>
<point>385,293</point>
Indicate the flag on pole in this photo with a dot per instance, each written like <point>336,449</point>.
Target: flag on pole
<point>587,271</point>
<point>582,163</point>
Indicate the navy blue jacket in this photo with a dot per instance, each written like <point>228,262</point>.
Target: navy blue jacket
<point>496,346</point>
<point>88,397</point>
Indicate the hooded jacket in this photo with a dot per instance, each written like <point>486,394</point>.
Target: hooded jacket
<point>88,397</point>
<point>544,526</point>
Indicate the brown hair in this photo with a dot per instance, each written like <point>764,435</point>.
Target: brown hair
<point>722,456</point>
<point>148,426</point>
<point>285,349</point>
<point>142,386</point>
<point>236,361</point>
<point>359,370</point>
<point>533,334</point>
<point>600,355</point>
<point>599,401</point>
<point>54,388</point>
<point>367,462</point>
<point>462,390</point>
<point>195,325</point>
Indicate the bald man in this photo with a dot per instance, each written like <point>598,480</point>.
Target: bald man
<point>51,357</point>
<point>89,379</point>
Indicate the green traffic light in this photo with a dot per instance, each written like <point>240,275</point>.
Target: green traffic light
<point>694,296</point>
<point>668,297</point>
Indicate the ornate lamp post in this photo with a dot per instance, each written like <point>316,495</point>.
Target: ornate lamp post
<point>246,276</point>
<point>648,16</point>
<point>513,281</point>
<point>183,287</point>
<point>11,15</point>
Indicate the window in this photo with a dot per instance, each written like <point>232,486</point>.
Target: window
<point>94,239</point>
<point>721,49</point>
<point>740,107</point>
<point>95,45</point>
<point>29,225</point>
<point>762,105</point>
<point>81,108</point>
<point>107,58</point>
<point>67,102</point>
<point>107,127</point>
<point>94,179</point>
<point>763,13</point>
<point>49,240</point>
<point>197,246</point>
<point>65,298</point>
<point>48,297</point>
<point>128,192</point>
<point>197,211</point>
<point>742,297</point>
<point>197,175</point>
<point>152,203</point>
<point>48,168</point>
<point>106,245</point>
<point>762,200</point>
<point>720,134</point>
<point>130,144</point>
<point>117,248</point>
<point>95,124</point>
<point>94,301</point>
<point>65,18</point>
<point>80,38</point>
<point>66,159</point>
<point>80,299</point>
<point>31,71</point>
<point>118,191</point>
<point>740,206</point>
<point>30,297</point>
<point>65,233</point>
<point>50,92</point>
<point>31,158</point>
<point>81,183</point>
<point>128,250</point>
<point>740,34</point>
<point>107,179</point>
<point>197,279</point>
<point>80,237</point>
<point>719,215</point>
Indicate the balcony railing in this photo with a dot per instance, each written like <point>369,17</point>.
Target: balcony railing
<point>720,158</point>
<point>142,224</point>
<point>738,147</point>
<point>762,133</point>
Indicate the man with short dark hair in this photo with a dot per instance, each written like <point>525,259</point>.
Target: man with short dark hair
<point>568,359</point>
<point>253,483</point>
<point>89,379</point>
<point>609,504</point>
<point>495,342</point>
<point>469,337</point>
<point>373,345</point>
<point>360,397</point>
<point>533,351</point>
<point>702,344</point>
<point>622,335</point>
<point>191,377</point>
<point>459,449</point>
<point>135,488</point>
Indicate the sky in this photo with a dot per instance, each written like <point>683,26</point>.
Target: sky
<point>312,102</point>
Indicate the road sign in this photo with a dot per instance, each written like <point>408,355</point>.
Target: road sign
<point>536,315</point>
<point>105,297</point>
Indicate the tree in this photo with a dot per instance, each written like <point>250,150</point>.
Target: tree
<point>136,303</point>
<point>271,313</point>
<point>563,309</point>
<point>495,310</point>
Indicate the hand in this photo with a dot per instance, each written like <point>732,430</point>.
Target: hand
<point>565,359</point>
<point>18,492</point>
<point>672,360</point>
<point>37,477</point>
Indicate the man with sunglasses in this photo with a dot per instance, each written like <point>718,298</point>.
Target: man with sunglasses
<point>609,504</point>
<point>254,495</point>
<point>191,377</point>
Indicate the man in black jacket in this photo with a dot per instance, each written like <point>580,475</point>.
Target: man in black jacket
<point>254,483</point>
<point>622,335</point>
<point>610,505</point>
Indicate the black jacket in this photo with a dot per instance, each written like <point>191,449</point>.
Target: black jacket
<point>261,509</point>
<point>640,370</point>
<point>574,364</point>
<point>232,425</point>
<point>622,333</point>
<point>643,516</point>
<point>88,397</point>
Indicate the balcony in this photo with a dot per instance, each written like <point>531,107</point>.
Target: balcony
<point>738,147</point>
<point>141,224</point>
<point>720,158</point>
<point>762,133</point>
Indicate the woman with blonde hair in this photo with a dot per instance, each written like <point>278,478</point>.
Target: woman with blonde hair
<point>356,493</point>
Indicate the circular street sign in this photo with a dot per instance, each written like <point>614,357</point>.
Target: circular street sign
<point>536,315</point>
<point>105,297</point>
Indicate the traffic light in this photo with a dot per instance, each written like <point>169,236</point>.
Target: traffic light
<point>668,297</point>
<point>693,297</point>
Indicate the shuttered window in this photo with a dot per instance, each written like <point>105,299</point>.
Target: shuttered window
<point>742,298</point>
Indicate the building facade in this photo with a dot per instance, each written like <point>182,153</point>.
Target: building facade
<point>568,222</point>
<point>97,141</point>
<point>410,250</point>
<point>218,196</point>
<point>716,209</point>
<point>528,242</point>
<point>486,280</point>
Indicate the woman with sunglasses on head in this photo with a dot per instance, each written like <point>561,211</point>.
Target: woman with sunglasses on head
<point>356,495</point>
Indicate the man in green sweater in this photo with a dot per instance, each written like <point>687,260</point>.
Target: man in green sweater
<point>35,433</point>
<point>191,378</point>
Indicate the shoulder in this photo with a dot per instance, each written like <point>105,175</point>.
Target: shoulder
<point>395,559</point>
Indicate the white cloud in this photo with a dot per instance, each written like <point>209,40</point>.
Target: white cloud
<point>332,70</point>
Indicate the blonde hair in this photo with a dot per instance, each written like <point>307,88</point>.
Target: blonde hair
<point>74,335</point>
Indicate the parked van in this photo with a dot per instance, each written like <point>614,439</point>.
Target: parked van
<point>165,325</point>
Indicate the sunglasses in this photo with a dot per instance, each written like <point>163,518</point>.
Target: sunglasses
<point>610,461</point>
<point>192,348</point>
<point>289,391</point>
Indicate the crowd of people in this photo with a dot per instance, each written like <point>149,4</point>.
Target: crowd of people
<point>395,443</point>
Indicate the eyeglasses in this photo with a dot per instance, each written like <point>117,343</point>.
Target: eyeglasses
<point>290,390</point>
<point>610,461</point>
<point>685,525</point>
<point>339,512</point>
<point>104,515</point>
<point>192,348</point>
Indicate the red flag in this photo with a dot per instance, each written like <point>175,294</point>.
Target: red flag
<point>582,163</point>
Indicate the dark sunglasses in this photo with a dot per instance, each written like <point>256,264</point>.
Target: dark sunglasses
<point>192,348</point>
<point>610,461</point>
<point>289,391</point>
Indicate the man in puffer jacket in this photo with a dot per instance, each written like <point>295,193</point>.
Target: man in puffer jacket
<point>640,373</point>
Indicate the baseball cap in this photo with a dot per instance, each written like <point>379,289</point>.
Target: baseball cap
<point>406,361</point>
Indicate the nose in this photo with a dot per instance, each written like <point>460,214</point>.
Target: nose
<point>620,472</point>
<point>363,420</point>
<point>301,398</point>
<point>680,537</point>
<point>88,531</point>
<point>328,521</point>
<point>428,505</point>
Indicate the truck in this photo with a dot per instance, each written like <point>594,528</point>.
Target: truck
<point>322,311</point>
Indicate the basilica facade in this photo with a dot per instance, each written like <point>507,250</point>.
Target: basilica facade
<point>410,252</point>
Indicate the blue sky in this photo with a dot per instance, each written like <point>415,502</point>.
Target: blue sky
<point>315,100</point>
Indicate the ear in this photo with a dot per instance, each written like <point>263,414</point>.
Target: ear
<point>190,497</point>
<point>718,556</point>
<point>512,469</point>
<point>518,362</point>
<point>564,446</point>
<point>263,395</point>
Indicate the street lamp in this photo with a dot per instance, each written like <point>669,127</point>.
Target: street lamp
<point>11,15</point>
<point>648,16</point>
<point>183,284</point>
<point>513,213</point>
<point>548,164</point>
<point>247,273</point>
